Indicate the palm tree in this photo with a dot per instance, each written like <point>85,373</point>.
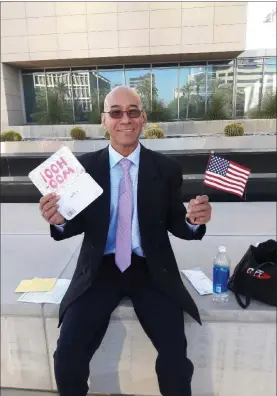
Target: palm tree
<point>187,90</point>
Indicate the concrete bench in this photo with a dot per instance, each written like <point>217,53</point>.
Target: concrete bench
<point>234,352</point>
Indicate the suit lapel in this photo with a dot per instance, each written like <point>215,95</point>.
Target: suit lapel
<point>149,193</point>
<point>100,209</point>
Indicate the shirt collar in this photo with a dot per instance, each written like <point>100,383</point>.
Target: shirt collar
<point>115,157</point>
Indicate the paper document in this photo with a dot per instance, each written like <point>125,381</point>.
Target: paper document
<point>54,296</point>
<point>199,281</point>
<point>36,285</point>
<point>63,175</point>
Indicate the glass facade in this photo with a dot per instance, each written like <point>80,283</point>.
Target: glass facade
<point>235,88</point>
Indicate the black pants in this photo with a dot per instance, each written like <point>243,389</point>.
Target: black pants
<point>87,319</point>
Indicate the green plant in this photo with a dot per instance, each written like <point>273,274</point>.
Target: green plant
<point>10,136</point>
<point>158,113</point>
<point>52,106</point>
<point>106,134</point>
<point>154,132</point>
<point>234,129</point>
<point>217,106</point>
<point>78,133</point>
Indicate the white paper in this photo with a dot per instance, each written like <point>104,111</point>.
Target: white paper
<point>199,281</point>
<point>54,296</point>
<point>63,175</point>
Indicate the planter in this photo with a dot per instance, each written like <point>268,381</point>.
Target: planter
<point>170,128</point>
<point>187,144</point>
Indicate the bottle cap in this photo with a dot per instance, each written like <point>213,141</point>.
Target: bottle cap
<point>222,249</point>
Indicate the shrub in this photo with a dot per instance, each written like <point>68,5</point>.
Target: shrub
<point>78,133</point>
<point>217,107</point>
<point>10,136</point>
<point>234,129</point>
<point>154,132</point>
<point>106,134</point>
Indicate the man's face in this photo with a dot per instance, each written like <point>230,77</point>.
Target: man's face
<point>125,128</point>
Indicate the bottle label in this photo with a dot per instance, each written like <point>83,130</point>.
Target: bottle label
<point>220,279</point>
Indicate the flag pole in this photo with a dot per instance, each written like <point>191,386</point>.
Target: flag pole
<point>209,160</point>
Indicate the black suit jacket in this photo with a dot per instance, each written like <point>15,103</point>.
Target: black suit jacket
<point>160,209</point>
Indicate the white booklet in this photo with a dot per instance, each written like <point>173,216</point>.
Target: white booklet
<point>63,175</point>
<point>199,281</point>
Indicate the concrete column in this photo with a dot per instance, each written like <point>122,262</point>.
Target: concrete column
<point>12,108</point>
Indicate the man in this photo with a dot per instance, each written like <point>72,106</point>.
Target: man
<point>126,252</point>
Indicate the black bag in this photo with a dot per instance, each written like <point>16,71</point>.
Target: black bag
<point>255,276</point>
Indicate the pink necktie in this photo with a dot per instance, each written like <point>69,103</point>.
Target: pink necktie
<point>123,241</point>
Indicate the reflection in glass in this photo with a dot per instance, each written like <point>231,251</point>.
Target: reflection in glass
<point>192,92</point>
<point>249,87</point>
<point>30,96</point>
<point>269,98</point>
<point>53,98</point>
<point>140,81</point>
<point>107,80</point>
<point>84,86</point>
<point>269,82</point>
<point>164,103</point>
<point>220,79</point>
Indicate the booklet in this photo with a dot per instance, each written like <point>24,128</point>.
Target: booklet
<point>63,175</point>
<point>199,281</point>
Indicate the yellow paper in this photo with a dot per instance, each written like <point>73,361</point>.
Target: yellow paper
<point>36,285</point>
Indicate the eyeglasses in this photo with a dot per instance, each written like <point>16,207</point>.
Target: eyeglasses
<point>117,114</point>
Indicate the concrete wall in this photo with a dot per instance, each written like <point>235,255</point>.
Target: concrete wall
<point>234,358</point>
<point>32,31</point>
<point>197,144</point>
<point>170,128</point>
<point>11,101</point>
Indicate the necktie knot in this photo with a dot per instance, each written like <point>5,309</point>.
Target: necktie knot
<point>125,164</point>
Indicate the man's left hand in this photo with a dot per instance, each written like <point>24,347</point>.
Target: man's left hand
<point>199,210</point>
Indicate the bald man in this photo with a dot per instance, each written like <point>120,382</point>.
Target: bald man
<point>126,252</point>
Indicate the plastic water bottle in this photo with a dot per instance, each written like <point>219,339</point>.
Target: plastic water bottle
<point>221,274</point>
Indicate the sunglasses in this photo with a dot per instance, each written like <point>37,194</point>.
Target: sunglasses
<point>117,114</point>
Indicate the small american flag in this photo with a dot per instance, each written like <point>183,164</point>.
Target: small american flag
<point>226,175</point>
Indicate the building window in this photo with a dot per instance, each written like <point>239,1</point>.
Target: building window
<point>107,80</point>
<point>140,80</point>
<point>249,87</point>
<point>220,80</point>
<point>203,90</point>
<point>269,80</point>
<point>192,92</point>
<point>84,86</point>
<point>30,95</point>
<point>164,102</point>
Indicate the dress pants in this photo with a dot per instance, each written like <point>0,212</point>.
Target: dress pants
<point>86,321</point>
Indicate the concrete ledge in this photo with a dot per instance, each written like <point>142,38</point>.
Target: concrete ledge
<point>170,128</point>
<point>233,352</point>
<point>250,143</point>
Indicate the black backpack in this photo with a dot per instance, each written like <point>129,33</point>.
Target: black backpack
<point>255,276</point>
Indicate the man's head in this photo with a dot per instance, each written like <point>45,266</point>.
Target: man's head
<point>123,116</point>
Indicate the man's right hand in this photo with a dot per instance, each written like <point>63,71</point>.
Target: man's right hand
<point>49,209</point>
